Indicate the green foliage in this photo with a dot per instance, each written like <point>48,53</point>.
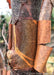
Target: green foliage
<point>2,21</point>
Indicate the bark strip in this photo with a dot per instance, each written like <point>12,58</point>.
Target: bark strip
<point>9,2</point>
<point>10,36</point>
<point>44,32</point>
<point>42,55</point>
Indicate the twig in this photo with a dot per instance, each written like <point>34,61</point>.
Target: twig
<point>2,57</point>
<point>3,30</point>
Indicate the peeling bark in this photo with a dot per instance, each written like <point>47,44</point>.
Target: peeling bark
<point>42,55</point>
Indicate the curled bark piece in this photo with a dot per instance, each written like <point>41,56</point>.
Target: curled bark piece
<point>42,55</point>
<point>23,42</point>
<point>9,2</point>
<point>44,32</point>
<point>10,37</point>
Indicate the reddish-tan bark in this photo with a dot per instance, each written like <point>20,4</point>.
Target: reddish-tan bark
<point>26,39</point>
<point>42,55</point>
<point>44,32</point>
<point>10,37</point>
<point>25,43</point>
<point>9,2</point>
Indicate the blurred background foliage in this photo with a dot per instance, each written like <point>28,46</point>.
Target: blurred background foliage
<point>4,19</point>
